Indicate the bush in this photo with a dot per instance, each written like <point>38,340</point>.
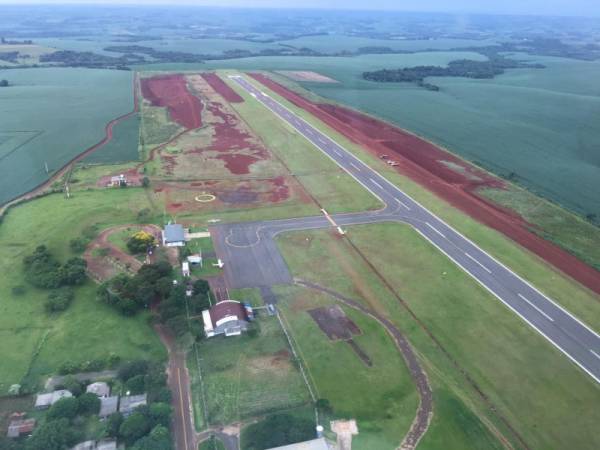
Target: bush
<point>144,215</point>
<point>88,404</point>
<point>132,368</point>
<point>73,385</point>
<point>278,430</point>
<point>78,245</point>
<point>136,385</point>
<point>113,423</point>
<point>65,408</point>
<point>53,435</point>
<point>18,290</point>
<point>140,242</point>
<point>42,270</point>
<point>145,182</point>
<point>134,427</point>
<point>59,300</point>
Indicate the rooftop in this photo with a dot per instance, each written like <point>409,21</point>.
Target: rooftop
<point>174,233</point>
<point>315,444</point>
<point>100,388</point>
<point>225,309</point>
<point>108,405</point>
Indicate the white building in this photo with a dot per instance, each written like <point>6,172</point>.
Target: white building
<point>173,235</point>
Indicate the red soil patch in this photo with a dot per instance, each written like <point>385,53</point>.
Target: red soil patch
<point>171,91</point>
<point>422,162</point>
<point>222,88</point>
<point>229,140</point>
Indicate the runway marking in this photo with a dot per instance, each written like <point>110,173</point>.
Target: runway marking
<point>594,353</point>
<point>355,166</point>
<point>185,443</point>
<point>337,152</point>
<point>376,183</point>
<point>403,204</point>
<point>537,308</point>
<point>435,229</point>
<point>473,259</point>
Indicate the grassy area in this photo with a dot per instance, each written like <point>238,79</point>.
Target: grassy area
<point>88,175</point>
<point>530,383</point>
<point>552,222</point>
<point>382,398</point>
<point>123,146</point>
<point>66,109</point>
<point>36,344</point>
<point>250,375</point>
<point>212,443</point>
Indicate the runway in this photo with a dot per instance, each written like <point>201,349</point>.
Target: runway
<point>252,258</point>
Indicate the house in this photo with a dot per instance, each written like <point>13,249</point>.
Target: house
<point>87,445</point>
<point>227,317</point>
<point>129,403</point>
<point>314,444</point>
<point>44,401</point>
<point>99,388</point>
<point>19,426</point>
<point>173,235</point>
<point>118,181</point>
<point>105,444</point>
<point>185,269</point>
<point>108,406</point>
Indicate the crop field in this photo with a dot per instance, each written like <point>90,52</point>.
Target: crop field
<point>250,375</point>
<point>456,327</point>
<point>122,147</point>
<point>35,344</point>
<point>52,115</point>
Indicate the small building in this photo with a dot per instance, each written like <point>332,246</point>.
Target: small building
<point>314,444</point>
<point>173,235</point>
<point>107,444</point>
<point>129,403</point>
<point>87,445</point>
<point>227,317</point>
<point>108,406</point>
<point>20,426</point>
<point>195,259</point>
<point>44,401</point>
<point>118,181</point>
<point>99,388</point>
<point>185,269</point>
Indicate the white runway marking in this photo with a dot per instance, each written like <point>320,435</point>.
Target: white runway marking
<point>403,204</point>
<point>537,308</point>
<point>376,183</point>
<point>435,229</point>
<point>355,166</point>
<point>594,353</point>
<point>337,152</point>
<point>473,259</point>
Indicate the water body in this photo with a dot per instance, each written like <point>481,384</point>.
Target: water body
<point>51,115</point>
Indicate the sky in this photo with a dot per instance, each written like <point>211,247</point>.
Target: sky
<point>542,7</point>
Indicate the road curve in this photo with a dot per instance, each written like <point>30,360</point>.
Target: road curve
<point>253,244</point>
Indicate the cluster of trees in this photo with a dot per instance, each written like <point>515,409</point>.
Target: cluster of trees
<point>278,430</point>
<point>89,59</point>
<point>90,365</point>
<point>141,242</point>
<point>130,294</point>
<point>495,65</point>
<point>173,313</point>
<point>79,244</point>
<point>9,56</point>
<point>44,271</point>
<point>4,83</point>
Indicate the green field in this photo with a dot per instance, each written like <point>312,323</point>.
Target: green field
<point>523,375</point>
<point>249,375</point>
<point>122,147</point>
<point>65,111</point>
<point>35,344</point>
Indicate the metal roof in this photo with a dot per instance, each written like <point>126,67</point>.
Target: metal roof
<point>315,444</point>
<point>174,233</point>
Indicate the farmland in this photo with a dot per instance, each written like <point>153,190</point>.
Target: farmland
<point>72,107</point>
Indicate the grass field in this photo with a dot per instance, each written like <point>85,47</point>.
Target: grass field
<point>381,397</point>
<point>523,375</point>
<point>35,344</point>
<point>249,375</point>
<point>122,147</point>
<point>65,111</point>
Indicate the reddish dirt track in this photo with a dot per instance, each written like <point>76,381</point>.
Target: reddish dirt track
<point>171,91</point>
<point>222,88</point>
<point>421,161</point>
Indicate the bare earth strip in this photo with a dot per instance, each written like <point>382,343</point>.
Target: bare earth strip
<point>306,75</point>
<point>424,414</point>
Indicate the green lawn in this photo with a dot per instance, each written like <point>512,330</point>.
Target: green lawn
<point>37,344</point>
<point>382,398</point>
<point>247,376</point>
<point>212,443</point>
<point>530,382</point>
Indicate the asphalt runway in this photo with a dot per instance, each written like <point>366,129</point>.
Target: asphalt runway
<point>252,258</point>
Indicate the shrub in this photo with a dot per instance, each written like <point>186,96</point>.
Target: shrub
<point>277,430</point>
<point>18,290</point>
<point>140,242</point>
<point>59,300</point>
<point>134,427</point>
<point>78,245</point>
<point>65,408</point>
<point>88,404</point>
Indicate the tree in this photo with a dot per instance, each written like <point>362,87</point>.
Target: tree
<point>88,404</point>
<point>73,271</point>
<point>134,427</point>
<point>145,182</point>
<point>201,287</point>
<point>140,242</point>
<point>113,423</point>
<point>144,215</point>
<point>132,368</point>
<point>160,413</point>
<point>73,385</point>
<point>59,300</point>
<point>65,408</point>
<point>53,435</point>
<point>158,439</point>
<point>78,245</point>
<point>3,83</point>
<point>136,385</point>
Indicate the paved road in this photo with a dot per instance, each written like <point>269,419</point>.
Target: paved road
<point>253,259</point>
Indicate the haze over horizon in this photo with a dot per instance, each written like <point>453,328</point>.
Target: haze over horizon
<point>531,7</point>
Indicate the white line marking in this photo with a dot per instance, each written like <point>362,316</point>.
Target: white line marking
<point>376,183</point>
<point>484,268</point>
<point>355,166</point>
<point>403,204</point>
<point>435,229</point>
<point>337,152</point>
<point>594,353</point>
<point>537,308</point>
